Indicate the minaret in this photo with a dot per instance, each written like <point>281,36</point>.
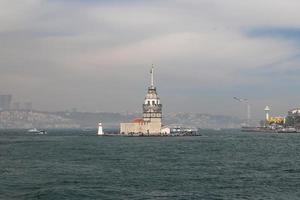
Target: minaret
<point>152,108</point>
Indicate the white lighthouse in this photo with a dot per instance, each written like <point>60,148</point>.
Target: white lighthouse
<point>267,110</point>
<point>100,129</point>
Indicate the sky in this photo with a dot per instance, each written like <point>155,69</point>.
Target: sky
<point>95,55</point>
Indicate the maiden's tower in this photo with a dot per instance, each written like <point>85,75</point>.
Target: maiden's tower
<point>151,123</point>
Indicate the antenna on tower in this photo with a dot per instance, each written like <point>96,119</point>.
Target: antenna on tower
<point>152,76</point>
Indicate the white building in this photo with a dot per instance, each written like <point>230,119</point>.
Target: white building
<point>151,123</point>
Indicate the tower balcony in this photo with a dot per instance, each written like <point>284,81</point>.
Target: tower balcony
<point>152,108</point>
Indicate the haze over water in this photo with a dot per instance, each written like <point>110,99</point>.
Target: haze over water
<point>217,165</point>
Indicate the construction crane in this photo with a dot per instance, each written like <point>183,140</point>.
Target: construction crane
<point>246,101</point>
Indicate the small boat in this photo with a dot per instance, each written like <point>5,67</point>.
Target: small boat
<point>257,129</point>
<point>287,130</point>
<point>36,131</point>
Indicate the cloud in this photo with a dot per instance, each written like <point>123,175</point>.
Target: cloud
<point>101,50</point>
<point>276,32</point>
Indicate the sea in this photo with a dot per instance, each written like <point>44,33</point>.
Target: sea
<point>78,165</point>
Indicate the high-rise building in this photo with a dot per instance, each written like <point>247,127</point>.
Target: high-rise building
<point>5,101</point>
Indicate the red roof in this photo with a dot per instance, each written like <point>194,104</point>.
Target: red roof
<point>138,120</point>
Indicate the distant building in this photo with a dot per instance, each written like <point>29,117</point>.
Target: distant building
<point>293,118</point>
<point>5,101</point>
<point>151,123</point>
<point>276,120</point>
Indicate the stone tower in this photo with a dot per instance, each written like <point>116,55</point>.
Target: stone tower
<point>152,108</point>
<point>150,124</point>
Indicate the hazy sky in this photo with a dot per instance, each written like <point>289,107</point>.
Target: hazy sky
<point>96,55</point>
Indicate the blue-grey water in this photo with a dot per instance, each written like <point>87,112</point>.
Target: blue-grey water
<point>72,164</point>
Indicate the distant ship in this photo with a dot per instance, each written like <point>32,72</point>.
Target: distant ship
<point>254,129</point>
<point>36,131</point>
<point>270,130</point>
<point>184,131</point>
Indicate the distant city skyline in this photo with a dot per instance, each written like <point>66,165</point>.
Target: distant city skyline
<point>96,55</point>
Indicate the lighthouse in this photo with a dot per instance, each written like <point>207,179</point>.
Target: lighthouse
<point>267,110</point>
<point>100,129</point>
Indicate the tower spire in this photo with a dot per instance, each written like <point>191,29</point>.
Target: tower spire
<point>152,76</point>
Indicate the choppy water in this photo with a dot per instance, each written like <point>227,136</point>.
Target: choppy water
<point>217,165</point>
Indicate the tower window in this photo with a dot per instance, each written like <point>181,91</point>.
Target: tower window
<point>148,102</point>
<point>153,102</point>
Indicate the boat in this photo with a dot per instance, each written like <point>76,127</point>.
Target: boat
<point>36,131</point>
<point>184,131</point>
<point>270,129</point>
<point>287,130</point>
<point>257,129</point>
